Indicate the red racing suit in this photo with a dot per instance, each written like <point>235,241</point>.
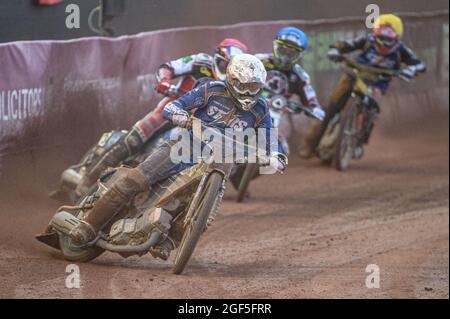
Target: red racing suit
<point>190,68</point>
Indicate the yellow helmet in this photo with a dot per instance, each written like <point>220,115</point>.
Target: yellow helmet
<point>392,21</point>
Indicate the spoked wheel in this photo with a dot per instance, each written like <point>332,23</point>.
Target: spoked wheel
<point>347,138</point>
<point>250,171</point>
<point>197,225</point>
<point>72,252</point>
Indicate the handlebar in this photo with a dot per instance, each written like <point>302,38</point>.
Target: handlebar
<point>301,108</point>
<point>283,104</point>
<point>260,154</point>
<point>370,72</point>
<point>361,67</point>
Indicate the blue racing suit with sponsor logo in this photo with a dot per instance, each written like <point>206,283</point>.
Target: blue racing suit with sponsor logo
<point>213,105</point>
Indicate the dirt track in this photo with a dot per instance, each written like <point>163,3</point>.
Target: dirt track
<point>310,234</point>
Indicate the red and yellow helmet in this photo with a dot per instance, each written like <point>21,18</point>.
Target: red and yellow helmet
<point>388,30</point>
<point>224,52</point>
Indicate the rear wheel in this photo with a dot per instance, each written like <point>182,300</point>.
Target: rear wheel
<point>198,222</point>
<point>347,138</point>
<point>72,252</point>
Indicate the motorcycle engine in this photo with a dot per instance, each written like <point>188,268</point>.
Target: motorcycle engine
<point>135,231</point>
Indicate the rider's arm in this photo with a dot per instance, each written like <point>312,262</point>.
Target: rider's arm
<point>191,100</point>
<point>182,66</point>
<point>347,46</point>
<point>415,65</point>
<point>306,91</point>
<point>165,72</point>
<point>172,69</point>
<point>265,125</point>
<point>277,159</point>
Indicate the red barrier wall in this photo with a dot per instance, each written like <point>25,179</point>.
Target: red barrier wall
<point>56,97</point>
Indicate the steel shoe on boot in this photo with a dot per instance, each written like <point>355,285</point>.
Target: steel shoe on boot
<point>108,205</point>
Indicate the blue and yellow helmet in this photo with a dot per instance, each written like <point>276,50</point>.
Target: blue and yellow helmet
<point>289,46</point>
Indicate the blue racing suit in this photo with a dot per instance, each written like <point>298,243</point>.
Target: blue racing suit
<point>215,106</point>
<point>369,56</point>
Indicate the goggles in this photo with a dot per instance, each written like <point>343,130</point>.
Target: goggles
<point>386,37</point>
<point>386,42</point>
<point>251,88</point>
<point>288,50</point>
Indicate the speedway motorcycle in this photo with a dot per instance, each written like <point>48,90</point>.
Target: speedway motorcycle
<point>350,129</point>
<point>280,109</point>
<point>72,176</point>
<point>179,208</point>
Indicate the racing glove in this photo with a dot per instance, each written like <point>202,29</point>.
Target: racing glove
<point>278,161</point>
<point>164,87</point>
<point>408,73</point>
<point>318,113</point>
<point>180,118</point>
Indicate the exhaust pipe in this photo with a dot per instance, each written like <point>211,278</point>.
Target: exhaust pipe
<point>133,249</point>
<point>64,222</point>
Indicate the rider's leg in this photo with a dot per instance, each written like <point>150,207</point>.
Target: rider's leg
<point>337,101</point>
<point>155,168</point>
<point>374,102</point>
<point>159,167</point>
<point>126,146</point>
<point>141,132</point>
<point>108,205</point>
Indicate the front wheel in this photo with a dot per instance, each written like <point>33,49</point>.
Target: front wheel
<point>346,140</point>
<point>198,222</point>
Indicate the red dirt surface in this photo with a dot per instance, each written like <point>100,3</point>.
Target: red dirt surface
<point>311,234</point>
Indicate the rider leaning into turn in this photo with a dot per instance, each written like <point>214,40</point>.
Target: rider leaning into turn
<point>198,66</point>
<point>285,75</point>
<point>382,48</point>
<point>234,103</point>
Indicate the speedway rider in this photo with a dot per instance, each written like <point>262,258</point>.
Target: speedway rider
<point>285,75</point>
<point>382,48</point>
<point>198,66</point>
<point>234,103</point>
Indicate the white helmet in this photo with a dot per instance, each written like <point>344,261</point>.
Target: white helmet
<point>246,76</point>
